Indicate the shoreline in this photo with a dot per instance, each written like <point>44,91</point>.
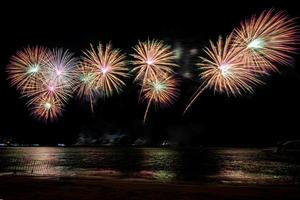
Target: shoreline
<point>22,187</point>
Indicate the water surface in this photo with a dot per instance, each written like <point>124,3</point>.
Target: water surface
<point>221,165</point>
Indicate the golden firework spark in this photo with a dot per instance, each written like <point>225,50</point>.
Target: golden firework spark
<point>107,67</point>
<point>151,59</point>
<point>160,92</point>
<point>84,86</point>
<point>101,72</point>
<point>26,67</point>
<point>225,71</point>
<point>50,89</point>
<point>45,78</point>
<point>268,39</point>
<point>46,108</point>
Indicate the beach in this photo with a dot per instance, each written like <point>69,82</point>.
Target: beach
<point>46,188</point>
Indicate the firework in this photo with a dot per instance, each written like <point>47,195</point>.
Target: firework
<point>50,89</point>
<point>268,39</point>
<point>151,59</point>
<point>46,108</point>
<point>224,70</point>
<point>61,68</point>
<point>101,72</point>
<point>107,67</point>
<point>45,77</point>
<point>26,67</point>
<point>160,92</point>
<point>84,86</point>
<point>57,77</point>
<point>55,86</point>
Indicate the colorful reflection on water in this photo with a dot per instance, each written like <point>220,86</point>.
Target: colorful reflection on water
<point>222,165</point>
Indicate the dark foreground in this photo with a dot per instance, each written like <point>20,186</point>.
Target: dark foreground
<point>80,188</point>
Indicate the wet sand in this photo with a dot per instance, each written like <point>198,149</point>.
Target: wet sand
<point>25,188</point>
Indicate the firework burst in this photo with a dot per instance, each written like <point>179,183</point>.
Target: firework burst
<point>107,68</point>
<point>224,70</point>
<point>26,67</point>
<point>151,59</point>
<point>102,71</point>
<point>52,91</point>
<point>45,77</point>
<point>46,108</point>
<point>62,68</point>
<point>160,92</point>
<point>267,39</point>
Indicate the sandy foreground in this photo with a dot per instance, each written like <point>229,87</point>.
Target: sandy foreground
<point>23,188</point>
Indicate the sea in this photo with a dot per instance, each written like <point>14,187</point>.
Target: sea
<point>189,165</point>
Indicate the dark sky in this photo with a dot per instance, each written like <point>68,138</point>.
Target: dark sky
<point>268,116</point>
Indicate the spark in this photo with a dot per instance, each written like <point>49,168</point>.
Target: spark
<point>160,92</point>
<point>25,67</point>
<point>152,58</point>
<point>47,105</point>
<point>46,108</point>
<point>108,67</point>
<point>257,43</point>
<point>268,40</point>
<point>34,68</point>
<point>224,70</point>
<point>102,71</point>
<point>105,69</point>
<point>45,78</point>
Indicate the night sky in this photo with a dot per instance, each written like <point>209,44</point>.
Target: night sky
<point>268,116</point>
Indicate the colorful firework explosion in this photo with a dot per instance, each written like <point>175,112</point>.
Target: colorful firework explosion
<point>102,71</point>
<point>268,39</point>
<point>46,108</point>
<point>26,67</point>
<point>108,69</point>
<point>45,77</point>
<point>151,59</point>
<point>224,70</point>
<point>160,92</point>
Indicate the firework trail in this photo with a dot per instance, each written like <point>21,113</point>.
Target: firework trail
<point>84,86</point>
<point>224,70</point>
<point>268,39</point>
<point>160,92</point>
